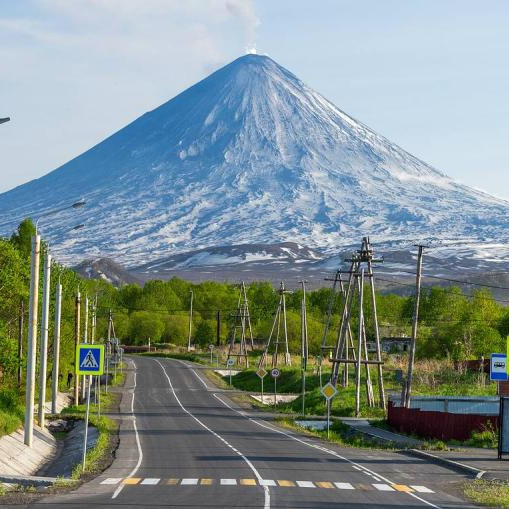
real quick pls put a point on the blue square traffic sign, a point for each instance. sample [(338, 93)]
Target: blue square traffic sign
[(89, 359), (498, 367)]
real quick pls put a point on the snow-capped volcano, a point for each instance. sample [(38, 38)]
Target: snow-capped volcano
[(248, 155)]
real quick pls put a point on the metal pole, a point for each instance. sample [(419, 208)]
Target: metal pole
[(32, 341), (262, 390), (304, 345), (20, 339), (218, 331), (411, 357), (107, 352), (275, 393), (43, 355), (87, 412), (328, 417), (190, 323), (56, 347), (77, 316), (359, 347)]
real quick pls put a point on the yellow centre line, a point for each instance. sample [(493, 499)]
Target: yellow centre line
[(402, 487), (206, 482), (173, 482)]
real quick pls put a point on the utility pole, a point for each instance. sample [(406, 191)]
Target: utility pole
[(85, 340), (411, 357), (304, 343), (20, 338), (359, 345), (44, 339), (190, 321), (77, 320), (32, 340), (218, 331), (56, 346)]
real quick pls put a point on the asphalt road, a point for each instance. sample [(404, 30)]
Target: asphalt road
[(185, 444)]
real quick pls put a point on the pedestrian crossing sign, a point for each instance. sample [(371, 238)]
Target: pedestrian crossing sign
[(90, 359)]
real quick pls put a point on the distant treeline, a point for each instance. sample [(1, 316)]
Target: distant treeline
[(451, 324)]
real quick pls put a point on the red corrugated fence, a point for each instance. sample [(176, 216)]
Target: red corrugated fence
[(440, 425)]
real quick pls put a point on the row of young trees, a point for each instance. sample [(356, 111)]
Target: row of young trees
[(451, 323)]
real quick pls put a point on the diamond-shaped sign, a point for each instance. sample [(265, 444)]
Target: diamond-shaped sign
[(329, 391), (261, 373)]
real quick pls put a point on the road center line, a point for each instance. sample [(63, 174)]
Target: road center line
[(140, 452), (320, 448), (203, 425)]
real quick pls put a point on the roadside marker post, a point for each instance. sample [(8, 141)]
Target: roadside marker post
[(328, 391), (89, 361), (229, 363), (275, 374), (211, 348), (262, 373)]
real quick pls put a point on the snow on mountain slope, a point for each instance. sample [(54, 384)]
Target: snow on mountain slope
[(248, 155)]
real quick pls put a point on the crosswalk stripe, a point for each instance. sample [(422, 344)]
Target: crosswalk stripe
[(344, 486), (228, 482), (305, 484), (248, 482), (131, 480), (189, 482), (402, 487), (383, 487), (112, 480), (150, 480), (325, 484), (421, 489), (285, 483)]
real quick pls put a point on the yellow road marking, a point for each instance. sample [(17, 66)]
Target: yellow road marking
[(363, 487), (248, 482), (324, 484), (402, 487), (173, 482), (131, 480), (286, 483), (206, 482)]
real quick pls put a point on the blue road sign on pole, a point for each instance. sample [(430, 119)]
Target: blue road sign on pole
[(498, 367), (89, 359)]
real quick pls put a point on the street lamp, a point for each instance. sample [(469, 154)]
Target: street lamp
[(32, 330)]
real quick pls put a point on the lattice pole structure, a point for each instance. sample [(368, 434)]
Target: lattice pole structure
[(238, 343), (278, 336), (361, 267), (246, 316)]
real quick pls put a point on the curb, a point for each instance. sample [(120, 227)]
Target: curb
[(31, 480), (455, 465)]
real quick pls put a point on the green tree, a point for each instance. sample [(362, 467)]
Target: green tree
[(144, 325), (204, 334)]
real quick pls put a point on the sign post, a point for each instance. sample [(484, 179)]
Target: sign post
[(275, 374), (261, 374), (211, 348), (229, 363), (328, 391), (89, 361)]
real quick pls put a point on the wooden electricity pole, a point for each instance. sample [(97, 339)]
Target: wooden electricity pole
[(411, 357), (77, 320)]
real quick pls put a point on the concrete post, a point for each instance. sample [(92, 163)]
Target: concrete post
[(56, 347), (32, 341)]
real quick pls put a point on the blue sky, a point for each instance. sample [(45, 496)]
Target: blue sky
[(430, 75)]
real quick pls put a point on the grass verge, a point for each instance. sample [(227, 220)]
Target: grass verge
[(487, 493), (12, 411), (340, 434)]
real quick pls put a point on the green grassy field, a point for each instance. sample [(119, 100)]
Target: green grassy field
[(12, 411)]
